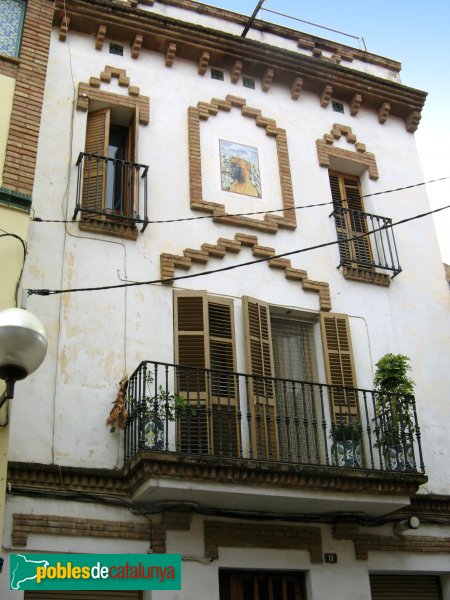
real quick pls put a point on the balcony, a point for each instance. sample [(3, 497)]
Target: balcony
[(202, 423), (366, 245), (112, 190)]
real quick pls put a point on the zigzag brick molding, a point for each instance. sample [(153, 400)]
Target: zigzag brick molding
[(271, 222), (171, 261)]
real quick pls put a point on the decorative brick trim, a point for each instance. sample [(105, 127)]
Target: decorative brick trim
[(152, 531), (296, 88), (100, 37), (24, 524), (136, 47), (412, 120), (356, 274), (203, 63), (171, 261), (255, 535), (363, 542), (91, 91), (170, 54), (325, 150), (203, 111), (383, 112), (21, 148), (107, 226), (8, 66), (325, 96), (209, 469), (191, 40), (64, 29)]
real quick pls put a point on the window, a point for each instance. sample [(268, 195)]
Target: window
[(350, 220), (279, 401), (12, 14), (110, 172), (261, 585)]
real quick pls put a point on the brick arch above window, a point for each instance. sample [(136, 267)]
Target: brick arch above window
[(91, 91), (333, 157)]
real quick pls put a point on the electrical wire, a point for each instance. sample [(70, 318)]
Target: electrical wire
[(47, 292), (261, 212), (24, 248)]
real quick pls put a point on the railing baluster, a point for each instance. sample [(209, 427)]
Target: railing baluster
[(295, 411)]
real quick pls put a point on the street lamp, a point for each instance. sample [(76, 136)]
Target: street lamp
[(23, 345)]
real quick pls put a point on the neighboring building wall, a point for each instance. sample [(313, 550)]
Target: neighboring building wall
[(22, 80)]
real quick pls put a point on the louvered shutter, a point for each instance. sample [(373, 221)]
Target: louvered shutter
[(350, 221), (131, 170), (405, 587), (339, 366), (94, 167), (223, 382), (259, 359), (204, 331)]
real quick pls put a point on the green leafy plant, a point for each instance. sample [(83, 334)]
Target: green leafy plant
[(394, 400), (348, 432), (161, 407)]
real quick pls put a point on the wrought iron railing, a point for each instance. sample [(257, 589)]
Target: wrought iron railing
[(111, 187), (366, 241), (192, 411)]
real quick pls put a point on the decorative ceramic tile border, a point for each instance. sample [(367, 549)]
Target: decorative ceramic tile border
[(171, 261), (203, 111)]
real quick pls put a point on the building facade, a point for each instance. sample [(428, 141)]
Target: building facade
[(24, 43), (219, 265)]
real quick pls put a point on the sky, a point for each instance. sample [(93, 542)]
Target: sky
[(414, 33)]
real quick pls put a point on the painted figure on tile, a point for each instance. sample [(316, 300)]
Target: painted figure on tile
[(240, 169)]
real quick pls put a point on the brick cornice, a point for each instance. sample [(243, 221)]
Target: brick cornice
[(159, 31), (148, 464)]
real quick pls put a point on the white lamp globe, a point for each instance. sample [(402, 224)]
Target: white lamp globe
[(23, 343)]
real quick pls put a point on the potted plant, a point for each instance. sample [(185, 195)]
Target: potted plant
[(346, 449), (161, 407), (394, 410)]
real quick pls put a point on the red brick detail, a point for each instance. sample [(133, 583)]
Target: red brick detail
[(219, 534), (21, 148), (270, 223), (363, 542), (169, 262), (326, 149), (153, 531)]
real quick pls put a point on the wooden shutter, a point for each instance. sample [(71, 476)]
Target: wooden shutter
[(259, 359), (405, 587), (204, 331), (337, 347), (131, 171), (94, 169), (351, 222)]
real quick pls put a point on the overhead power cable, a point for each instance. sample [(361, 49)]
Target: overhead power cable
[(260, 212), (46, 292)]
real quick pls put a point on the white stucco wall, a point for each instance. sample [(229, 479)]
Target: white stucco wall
[(96, 337)]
